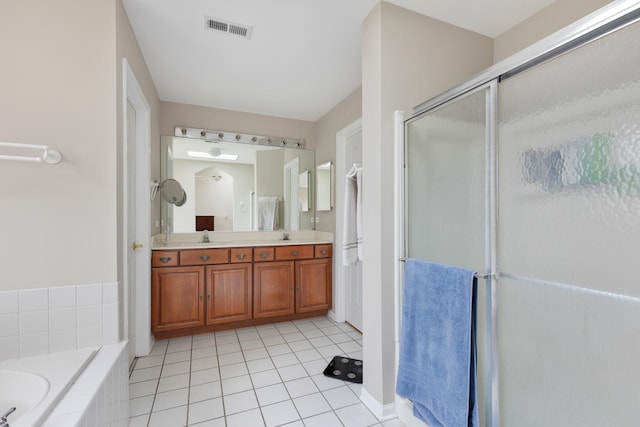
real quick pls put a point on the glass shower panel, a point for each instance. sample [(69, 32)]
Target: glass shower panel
[(445, 193), (569, 237), (445, 185)]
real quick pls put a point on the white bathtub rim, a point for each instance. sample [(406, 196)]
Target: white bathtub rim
[(61, 369)]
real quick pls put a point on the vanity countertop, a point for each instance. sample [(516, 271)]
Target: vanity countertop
[(221, 239)]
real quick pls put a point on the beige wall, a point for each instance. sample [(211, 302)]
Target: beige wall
[(174, 114), (552, 18), (127, 47), (58, 222), (346, 112), (407, 58), (63, 89)]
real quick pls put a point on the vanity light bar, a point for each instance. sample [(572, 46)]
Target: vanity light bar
[(242, 138)]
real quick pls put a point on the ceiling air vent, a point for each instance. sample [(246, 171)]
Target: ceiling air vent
[(233, 28)]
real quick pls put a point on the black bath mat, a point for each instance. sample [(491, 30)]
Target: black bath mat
[(343, 368)]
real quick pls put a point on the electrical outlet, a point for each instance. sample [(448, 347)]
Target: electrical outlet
[(317, 219)]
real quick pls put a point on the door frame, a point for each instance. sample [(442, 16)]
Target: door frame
[(338, 312), (132, 93)]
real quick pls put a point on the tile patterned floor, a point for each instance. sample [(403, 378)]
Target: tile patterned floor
[(269, 375)]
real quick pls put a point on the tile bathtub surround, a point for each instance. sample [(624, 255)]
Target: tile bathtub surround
[(100, 396), (268, 375), (45, 320)]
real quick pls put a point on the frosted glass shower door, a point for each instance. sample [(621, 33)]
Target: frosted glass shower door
[(445, 183), (445, 190), (569, 238)]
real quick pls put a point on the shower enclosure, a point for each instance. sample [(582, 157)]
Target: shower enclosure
[(532, 172)]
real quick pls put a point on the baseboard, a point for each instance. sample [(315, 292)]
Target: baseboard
[(382, 412)]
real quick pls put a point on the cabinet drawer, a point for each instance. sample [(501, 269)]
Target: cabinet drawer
[(204, 256), (164, 258), (241, 255), (264, 253), (294, 252), (323, 251)]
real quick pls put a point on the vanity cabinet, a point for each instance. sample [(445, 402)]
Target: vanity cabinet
[(177, 298), (296, 282), (200, 290), (228, 293)]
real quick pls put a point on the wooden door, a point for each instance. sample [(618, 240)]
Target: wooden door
[(273, 290), (313, 285), (228, 293), (177, 295)]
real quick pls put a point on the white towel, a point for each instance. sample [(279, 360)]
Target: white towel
[(267, 213), (352, 241)]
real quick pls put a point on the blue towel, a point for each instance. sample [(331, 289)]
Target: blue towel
[(437, 345)]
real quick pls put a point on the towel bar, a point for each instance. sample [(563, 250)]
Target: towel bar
[(476, 275)]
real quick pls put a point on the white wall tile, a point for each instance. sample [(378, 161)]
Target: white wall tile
[(34, 321), (63, 297), (34, 299), (89, 294), (9, 325), (64, 318), (8, 302), (110, 313), (33, 344), (9, 347), (89, 316), (110, 333), (88, 337), (62, 340), (110, 293)]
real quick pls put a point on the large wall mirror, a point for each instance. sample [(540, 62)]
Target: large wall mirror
[(236, 187)]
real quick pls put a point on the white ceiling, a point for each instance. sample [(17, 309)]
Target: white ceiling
[(303, 58)]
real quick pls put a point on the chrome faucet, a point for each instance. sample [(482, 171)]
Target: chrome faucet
[(205, 236), (285, 235), (3, 420)]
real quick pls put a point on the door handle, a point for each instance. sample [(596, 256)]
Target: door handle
[(136, 245)]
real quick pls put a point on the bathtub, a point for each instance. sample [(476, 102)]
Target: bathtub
[(34, 385)]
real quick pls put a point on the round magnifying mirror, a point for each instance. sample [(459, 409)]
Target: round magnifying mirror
[(172, 192)]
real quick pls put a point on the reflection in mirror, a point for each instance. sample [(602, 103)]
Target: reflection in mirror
[(304, 190), (324, 187), (224, 180)]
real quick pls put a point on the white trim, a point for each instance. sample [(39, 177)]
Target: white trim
[(131, 92), (339, 296), (382, 412)]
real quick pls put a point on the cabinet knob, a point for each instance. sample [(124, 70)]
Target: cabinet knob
[(263, 255), (204, 257), (241, 256), (165, 259), (200, 297), (295, 253), (324, 251)]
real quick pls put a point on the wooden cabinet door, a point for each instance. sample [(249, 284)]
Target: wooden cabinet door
[(313, 285), (273, 290), (177, 298), (228, 293)]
